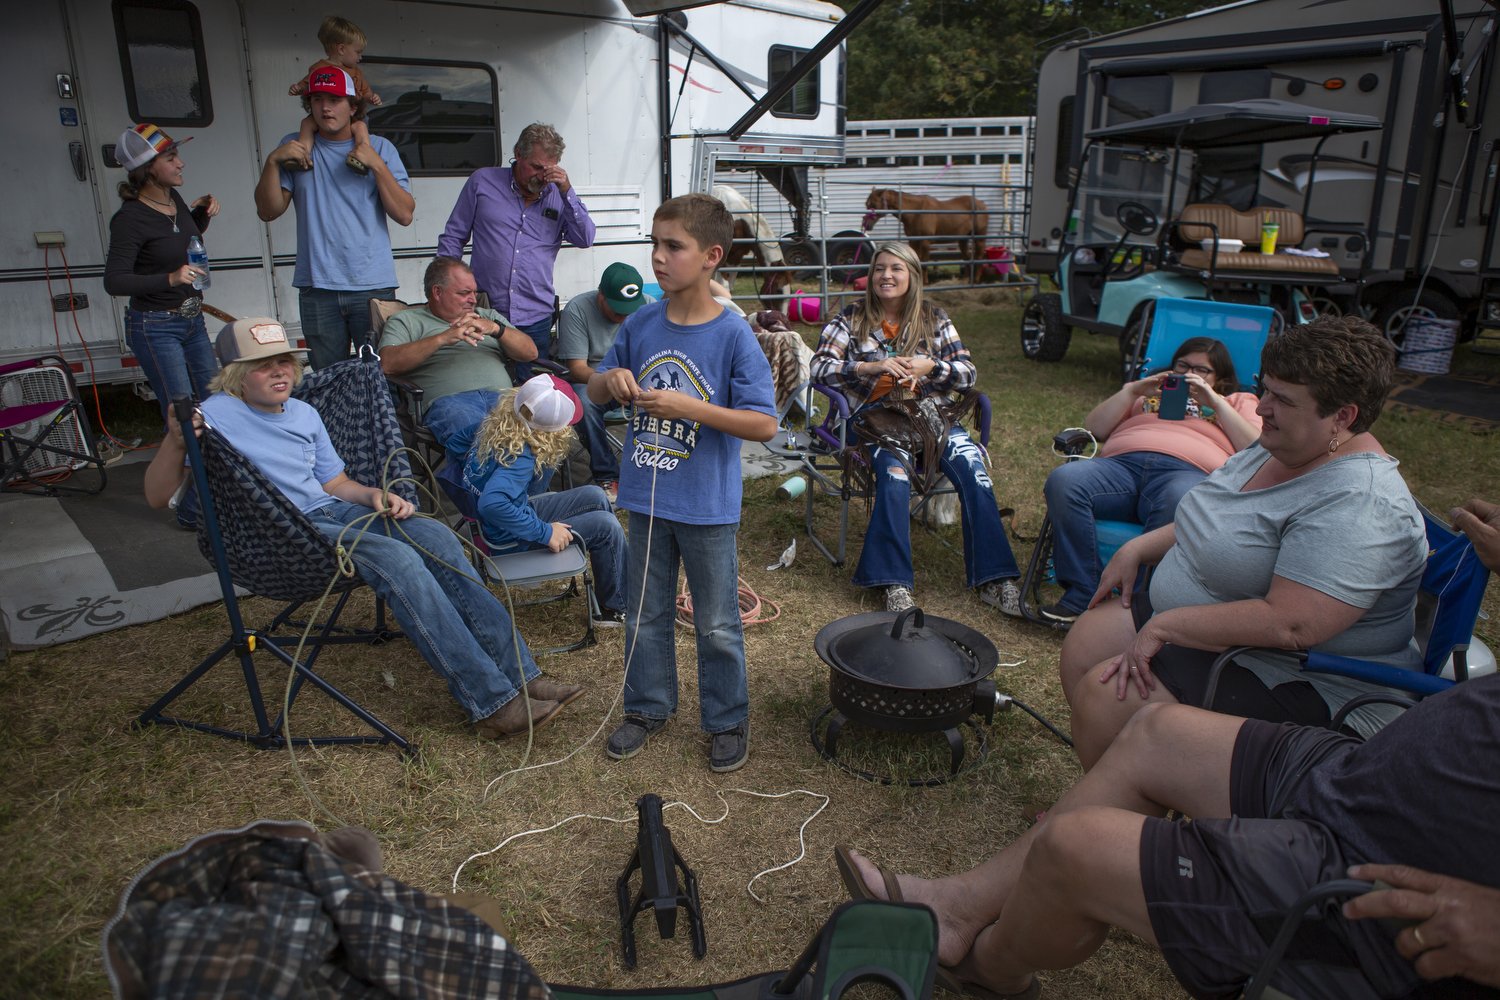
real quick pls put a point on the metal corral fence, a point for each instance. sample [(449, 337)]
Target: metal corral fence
[(983, 158)]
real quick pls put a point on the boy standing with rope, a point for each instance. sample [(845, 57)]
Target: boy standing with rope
[(696, 384)]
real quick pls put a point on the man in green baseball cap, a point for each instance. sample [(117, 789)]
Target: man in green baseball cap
[(585, 332)]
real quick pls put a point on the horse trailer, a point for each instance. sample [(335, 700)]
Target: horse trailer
[(648, 106), (1423, 186)]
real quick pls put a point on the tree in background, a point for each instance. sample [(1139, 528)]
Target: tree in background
[(966, 58)]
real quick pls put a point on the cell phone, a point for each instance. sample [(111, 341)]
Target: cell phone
[(1174, 394)]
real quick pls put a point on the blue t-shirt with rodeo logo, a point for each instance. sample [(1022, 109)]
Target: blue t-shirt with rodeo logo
[(696, 468)]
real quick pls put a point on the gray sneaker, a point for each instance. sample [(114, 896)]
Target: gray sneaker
[(899, 598), (628, 740), (1002, 594), (729, 751)]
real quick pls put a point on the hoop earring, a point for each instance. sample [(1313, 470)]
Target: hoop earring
[(1333, 444)]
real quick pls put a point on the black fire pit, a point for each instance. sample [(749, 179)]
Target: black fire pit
[(905, 673)]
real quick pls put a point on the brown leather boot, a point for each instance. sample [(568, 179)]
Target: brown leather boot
[(547, 689), (510, 720)]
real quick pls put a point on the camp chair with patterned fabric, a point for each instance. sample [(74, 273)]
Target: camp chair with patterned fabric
[(864, 941), (259, 540)]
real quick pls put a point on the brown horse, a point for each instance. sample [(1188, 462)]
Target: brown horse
[(962, 221)]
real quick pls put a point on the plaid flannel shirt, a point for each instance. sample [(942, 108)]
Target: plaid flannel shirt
[(838, 354), (269, 911)]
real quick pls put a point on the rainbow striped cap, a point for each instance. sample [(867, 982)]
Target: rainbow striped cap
[(143, 144)]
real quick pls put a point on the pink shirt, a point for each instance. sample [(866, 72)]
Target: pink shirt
[(1196, 439)]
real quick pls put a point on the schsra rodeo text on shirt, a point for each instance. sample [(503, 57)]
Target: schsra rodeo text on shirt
[(662, 443)]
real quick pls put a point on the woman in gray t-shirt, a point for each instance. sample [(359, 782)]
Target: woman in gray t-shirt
[(1308, 539)]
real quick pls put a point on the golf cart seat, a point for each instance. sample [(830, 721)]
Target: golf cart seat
[(1206, 221)]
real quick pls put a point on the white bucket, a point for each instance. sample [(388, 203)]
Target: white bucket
[(1428, 346)]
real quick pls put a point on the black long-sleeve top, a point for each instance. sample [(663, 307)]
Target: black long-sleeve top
[(143, 253)]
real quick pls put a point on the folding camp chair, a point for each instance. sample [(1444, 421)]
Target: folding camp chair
[(527, 568), (259, 540), (1448, 602), (835, 457), (1243, 329), (44, 431), (894, 944)]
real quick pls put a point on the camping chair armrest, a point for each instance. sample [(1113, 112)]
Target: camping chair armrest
[(1072, 441), (1211, 690), (1414, 681), (1374, 698), (406, 394), (548, 367), (838, 402), (1309, 902)]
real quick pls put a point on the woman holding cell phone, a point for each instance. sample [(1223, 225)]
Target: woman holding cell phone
[(1159, 437), (148, 261)]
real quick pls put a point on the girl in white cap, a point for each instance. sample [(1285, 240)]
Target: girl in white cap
[(524, 438)]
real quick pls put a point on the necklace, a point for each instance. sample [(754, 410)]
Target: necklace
[(164, 204)]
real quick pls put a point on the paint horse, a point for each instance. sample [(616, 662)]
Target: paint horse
[(750, 225), (926, 220)]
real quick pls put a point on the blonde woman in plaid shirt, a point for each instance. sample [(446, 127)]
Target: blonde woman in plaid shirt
[(895, 345)]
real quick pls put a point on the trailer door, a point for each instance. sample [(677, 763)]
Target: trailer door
[(52, 215), (179, 65)]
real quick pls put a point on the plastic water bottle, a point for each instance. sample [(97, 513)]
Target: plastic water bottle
[(198, 258)]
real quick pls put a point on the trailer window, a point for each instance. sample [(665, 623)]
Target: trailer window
[(802, 102), (1066, 161), (1222, 86), (163, 62), (440, 116), (1132, 98)]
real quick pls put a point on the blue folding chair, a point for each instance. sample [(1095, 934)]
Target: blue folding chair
[(1243, 329), (1448, 601)]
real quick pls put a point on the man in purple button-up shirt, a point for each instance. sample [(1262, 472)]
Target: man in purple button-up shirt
[(518, 217)]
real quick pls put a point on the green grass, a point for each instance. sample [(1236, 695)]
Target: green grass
[(86, 801)]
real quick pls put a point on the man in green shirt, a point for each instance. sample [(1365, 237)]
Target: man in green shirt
[(453, 350)]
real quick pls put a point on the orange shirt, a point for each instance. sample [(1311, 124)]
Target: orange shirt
[(1197, 439)]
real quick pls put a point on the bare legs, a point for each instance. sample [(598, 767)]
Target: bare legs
[(1099, 635), (1047, 900)]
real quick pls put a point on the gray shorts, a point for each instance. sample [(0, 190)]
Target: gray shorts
[(1217, 890)]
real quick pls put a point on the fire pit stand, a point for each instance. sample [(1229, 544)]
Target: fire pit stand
[(826, 743), (905, 673)]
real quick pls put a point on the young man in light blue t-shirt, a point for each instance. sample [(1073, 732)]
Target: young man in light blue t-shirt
[(697, 385), (343, 247)]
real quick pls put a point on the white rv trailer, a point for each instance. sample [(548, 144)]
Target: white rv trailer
[(1424, 186), (459, 81)]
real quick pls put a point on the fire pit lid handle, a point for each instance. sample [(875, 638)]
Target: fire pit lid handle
[(903, 617)]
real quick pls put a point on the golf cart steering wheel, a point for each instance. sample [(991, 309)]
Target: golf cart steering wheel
[(1135, 218)]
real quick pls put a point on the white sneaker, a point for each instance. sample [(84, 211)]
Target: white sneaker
[(899, 598), (1004, 595)]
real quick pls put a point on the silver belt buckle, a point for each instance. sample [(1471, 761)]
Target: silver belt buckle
[(190, 308)]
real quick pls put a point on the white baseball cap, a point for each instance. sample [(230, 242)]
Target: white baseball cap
[(548, 403)]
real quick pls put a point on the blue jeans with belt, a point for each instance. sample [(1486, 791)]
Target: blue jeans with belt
[(886, 557), (174, 352), (334, 321), (179, 360), (461, 630)]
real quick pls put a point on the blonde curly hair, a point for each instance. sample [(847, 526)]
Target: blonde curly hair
[(505, 433)]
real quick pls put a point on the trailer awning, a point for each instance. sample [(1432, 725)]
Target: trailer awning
[(1236, 123)]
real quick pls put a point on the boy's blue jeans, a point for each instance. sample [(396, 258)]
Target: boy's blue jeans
[(457, 625), (1137, 486), (886, 557), (707, 552)]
